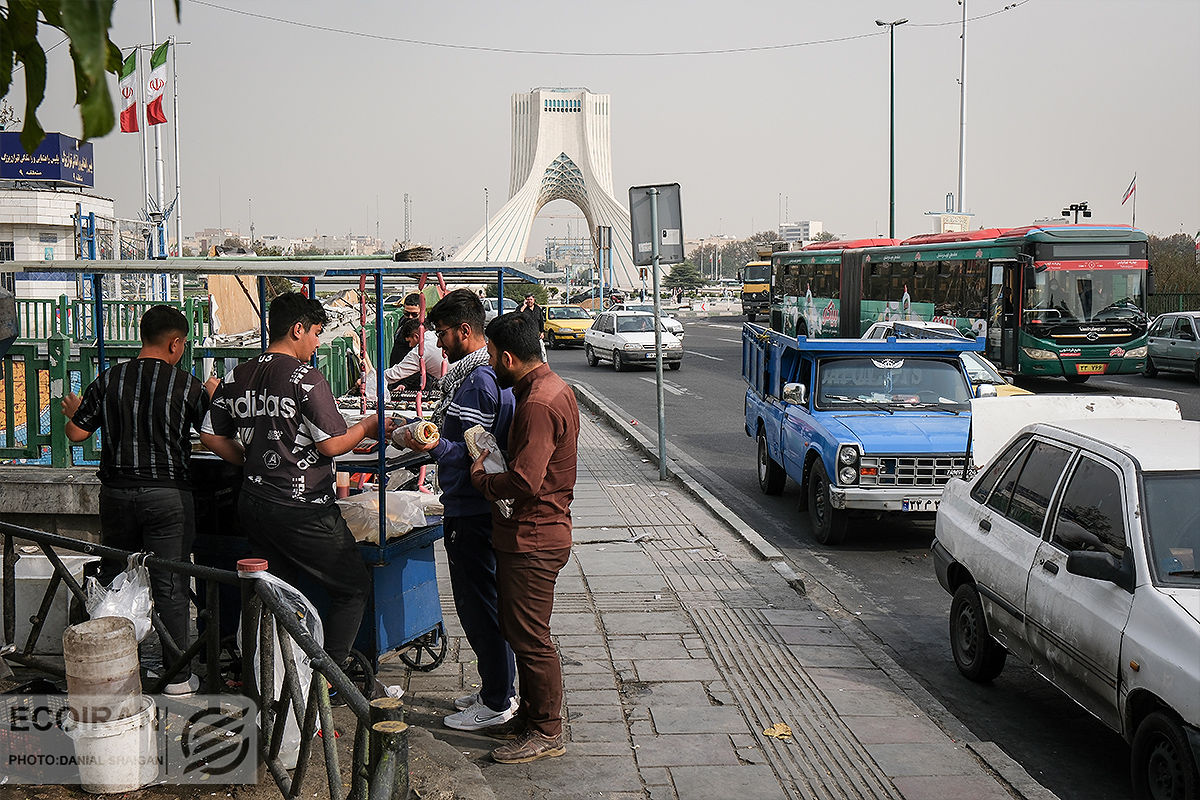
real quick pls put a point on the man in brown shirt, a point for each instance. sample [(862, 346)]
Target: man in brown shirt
[(532, 545)]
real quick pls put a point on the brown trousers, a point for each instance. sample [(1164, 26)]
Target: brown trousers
[(526, 588)]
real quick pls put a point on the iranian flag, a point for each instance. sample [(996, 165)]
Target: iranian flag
[(129, 120), (156, 84)]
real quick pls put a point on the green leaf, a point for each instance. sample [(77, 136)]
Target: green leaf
[(87, 23)]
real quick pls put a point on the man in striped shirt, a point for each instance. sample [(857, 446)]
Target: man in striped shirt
[(147, 408)]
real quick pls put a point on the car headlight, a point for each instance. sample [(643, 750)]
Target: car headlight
[(847, 475), (847, 459), (1040, 355), (632, 346), (674, 346), (1137, 352), (847, 456)]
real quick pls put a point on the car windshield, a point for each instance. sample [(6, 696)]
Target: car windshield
[(569, 312), (887, 381), (638, 324), (980, 370), (1173, 526)]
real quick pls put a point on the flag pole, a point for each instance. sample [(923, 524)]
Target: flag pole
[(159, 228), (1134, 223), (141, 116), (178, 190)]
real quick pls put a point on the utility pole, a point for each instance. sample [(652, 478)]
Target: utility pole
[(891, 26), (962, 114), (406, 230)]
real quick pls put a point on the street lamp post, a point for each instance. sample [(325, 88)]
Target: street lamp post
[(891, 26), (1077, 209)]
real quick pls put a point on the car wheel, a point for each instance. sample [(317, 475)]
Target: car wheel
[(1161, 760), (1150, 371), (617, 365), (590, 355), (1077, 378), (750, 317), (1196, 372), (828, 523), (978, 656), (675, 364), (771, 476)]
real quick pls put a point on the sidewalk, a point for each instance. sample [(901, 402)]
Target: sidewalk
[(681, 645)]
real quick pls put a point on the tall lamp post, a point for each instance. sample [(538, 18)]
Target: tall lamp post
[(891, 26), (1077, 209)]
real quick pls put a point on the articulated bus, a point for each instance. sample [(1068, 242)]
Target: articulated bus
[(1063, 301)]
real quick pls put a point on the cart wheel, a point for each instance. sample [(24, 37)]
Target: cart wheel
[(361, 673), (427, 651)]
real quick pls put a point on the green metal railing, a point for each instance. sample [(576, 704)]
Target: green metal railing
[(1179, 301), (60, 364), (41, 319)]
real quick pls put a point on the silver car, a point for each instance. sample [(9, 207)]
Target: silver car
[(1077, 550), (1175, 344)]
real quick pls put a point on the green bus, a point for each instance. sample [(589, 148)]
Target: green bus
[(1063, 300)]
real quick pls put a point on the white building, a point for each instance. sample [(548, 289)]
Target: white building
[(801, 230), (561, 150), (39, 225)]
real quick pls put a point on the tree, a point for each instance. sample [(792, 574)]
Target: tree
[(86, 23), (1173, 259), (825, 236), (684, 276), (233, 243), (516, 290)]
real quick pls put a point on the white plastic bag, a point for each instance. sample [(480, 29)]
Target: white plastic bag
[(127, 596), (478, 439), (405, 511), (289, 752)]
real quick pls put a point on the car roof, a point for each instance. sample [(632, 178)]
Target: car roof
[(1159, 445), (623, 313)]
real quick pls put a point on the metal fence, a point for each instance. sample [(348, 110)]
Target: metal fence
[(40, 319), (1180, 301), (268, 623)]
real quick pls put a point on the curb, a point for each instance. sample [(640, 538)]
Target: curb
[(1010, 773), (765, 550)]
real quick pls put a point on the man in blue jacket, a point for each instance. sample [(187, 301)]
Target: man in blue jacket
[(471, 396)]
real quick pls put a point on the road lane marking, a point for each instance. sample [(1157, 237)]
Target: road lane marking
[(668, 386), (726, 327), (733, 341), (703, 355)]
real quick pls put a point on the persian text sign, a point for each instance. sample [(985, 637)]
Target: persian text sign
[(58, 159)]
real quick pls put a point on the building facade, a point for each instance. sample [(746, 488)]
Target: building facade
[(38, 224), (801, 230)]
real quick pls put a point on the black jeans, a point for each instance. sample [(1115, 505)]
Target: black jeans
[(159, 520), (312, 543), (468, 542)]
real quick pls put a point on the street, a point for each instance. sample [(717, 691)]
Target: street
[(883, 573)]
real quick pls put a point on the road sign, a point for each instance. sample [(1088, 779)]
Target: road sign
[(670, 225)]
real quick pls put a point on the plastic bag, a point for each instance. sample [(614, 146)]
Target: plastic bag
[(127, 596), (405, 511), (289, 752)]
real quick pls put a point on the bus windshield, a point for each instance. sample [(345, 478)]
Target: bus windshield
[(757, 273), (1102, 295)]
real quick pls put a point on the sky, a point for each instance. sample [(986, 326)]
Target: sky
[(322, 131)]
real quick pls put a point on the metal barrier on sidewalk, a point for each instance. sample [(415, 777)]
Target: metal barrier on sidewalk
[(380, 754)]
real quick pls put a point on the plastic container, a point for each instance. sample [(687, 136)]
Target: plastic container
[(101, 660), (117, 756), (32, 575)]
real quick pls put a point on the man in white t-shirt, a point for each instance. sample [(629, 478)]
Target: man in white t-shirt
[(408, 372)]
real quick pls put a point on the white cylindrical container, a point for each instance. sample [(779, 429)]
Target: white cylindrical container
[(117, 756)]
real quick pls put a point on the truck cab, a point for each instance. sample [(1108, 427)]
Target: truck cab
[(863, 426)]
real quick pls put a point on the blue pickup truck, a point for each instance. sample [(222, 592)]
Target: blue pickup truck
[(871, 426)]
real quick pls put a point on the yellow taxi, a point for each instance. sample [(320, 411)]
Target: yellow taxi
[(565, 325)]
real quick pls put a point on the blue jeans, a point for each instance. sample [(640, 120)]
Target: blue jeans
[(160, 520), (468, 542)]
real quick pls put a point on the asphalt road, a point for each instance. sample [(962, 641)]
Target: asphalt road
[(884, 572)]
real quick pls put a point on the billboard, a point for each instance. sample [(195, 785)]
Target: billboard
[(58, 159)]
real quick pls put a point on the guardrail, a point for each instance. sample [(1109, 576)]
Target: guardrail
[(1180, 301), (380, 754), (74, 318)]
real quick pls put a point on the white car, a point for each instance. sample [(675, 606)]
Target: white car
[(1077, 550), (669, 322), (913, 329), (491, 307), (627, 338)]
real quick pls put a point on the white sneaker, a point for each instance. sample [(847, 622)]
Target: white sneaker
[(478, 716), (183, 688), (466, 701)]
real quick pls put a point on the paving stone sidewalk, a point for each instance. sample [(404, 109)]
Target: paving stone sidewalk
[(681, 648)]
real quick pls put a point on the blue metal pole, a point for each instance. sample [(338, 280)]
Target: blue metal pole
[(500, 292)]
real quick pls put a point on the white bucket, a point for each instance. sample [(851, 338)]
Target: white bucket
[(120, 756)]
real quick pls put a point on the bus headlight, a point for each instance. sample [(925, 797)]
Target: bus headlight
[(1040, 355), (1137, 352)]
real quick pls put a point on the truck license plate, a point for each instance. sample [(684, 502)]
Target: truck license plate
[(1090, 369), (919, 505)]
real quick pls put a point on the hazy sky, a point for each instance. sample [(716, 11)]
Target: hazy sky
[(1066, 100)]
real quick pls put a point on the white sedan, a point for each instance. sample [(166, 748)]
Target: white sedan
[(668, 320), (627, 339)]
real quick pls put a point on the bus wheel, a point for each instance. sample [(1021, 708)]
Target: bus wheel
[(1077, 378)]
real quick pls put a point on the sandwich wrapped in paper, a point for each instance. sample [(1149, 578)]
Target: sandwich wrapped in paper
[(423, 431), (479, 439)]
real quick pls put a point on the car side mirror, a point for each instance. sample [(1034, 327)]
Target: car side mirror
[(1102, 566), (985, 390), (795, 393)]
